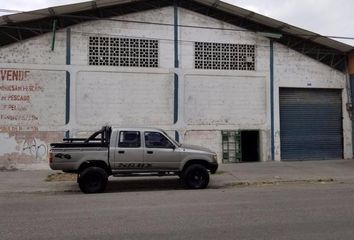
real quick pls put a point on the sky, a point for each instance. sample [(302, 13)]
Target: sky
[(326, 17)]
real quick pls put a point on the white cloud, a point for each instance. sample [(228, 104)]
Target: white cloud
[(25, 5), (326, 17)]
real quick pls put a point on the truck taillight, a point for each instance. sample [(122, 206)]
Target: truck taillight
[(50, 157)]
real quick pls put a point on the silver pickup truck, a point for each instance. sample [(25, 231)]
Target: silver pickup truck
[(131, 152)]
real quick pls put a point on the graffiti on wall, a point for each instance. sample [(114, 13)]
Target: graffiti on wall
[(26, 147), (35, 148), (30, 101)]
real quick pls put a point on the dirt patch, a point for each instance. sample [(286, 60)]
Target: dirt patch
[(279, 182), (61, 177), (9, 169)]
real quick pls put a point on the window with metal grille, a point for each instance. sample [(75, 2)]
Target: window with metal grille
[(231, 147), (124, 52), (240, 146), (224, 56)]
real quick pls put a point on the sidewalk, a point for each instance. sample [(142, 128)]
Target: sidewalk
[(32, 181), (277, 172)]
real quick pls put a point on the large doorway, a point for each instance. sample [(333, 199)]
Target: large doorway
[(250, 146), (240, 146), (311, 124)]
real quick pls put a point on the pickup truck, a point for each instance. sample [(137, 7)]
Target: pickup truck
[(131, 152)]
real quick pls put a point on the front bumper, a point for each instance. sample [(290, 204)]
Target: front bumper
[(213, 167)]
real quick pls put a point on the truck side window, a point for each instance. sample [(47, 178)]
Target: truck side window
[(129, 139), (156, 140)]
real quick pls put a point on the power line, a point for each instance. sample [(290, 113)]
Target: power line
[(181, 41)]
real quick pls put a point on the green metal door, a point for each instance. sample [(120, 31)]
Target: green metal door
[(231, 146)]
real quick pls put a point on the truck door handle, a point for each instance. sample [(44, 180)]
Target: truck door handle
[(150, 152), (121, 152)]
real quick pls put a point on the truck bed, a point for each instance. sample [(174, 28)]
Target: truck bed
[(98, 139), (78, 145)]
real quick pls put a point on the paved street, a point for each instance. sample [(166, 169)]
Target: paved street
[(287, 211), (228, 174)]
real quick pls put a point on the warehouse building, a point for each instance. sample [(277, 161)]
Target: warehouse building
[(247, 86)]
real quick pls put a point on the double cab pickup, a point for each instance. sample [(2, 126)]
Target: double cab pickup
[(131, 152)]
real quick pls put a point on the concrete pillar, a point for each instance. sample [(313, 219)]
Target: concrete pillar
[(351, 79), (351, 72)]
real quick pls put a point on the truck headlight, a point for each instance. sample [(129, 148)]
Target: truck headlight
[(215, 157)]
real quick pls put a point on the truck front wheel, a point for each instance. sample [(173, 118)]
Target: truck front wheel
[(195, 176), (93, 180)]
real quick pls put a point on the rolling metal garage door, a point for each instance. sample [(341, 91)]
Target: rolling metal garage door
[(310, 124)]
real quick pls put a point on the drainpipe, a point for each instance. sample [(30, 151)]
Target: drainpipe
[(176, 65), (67, 98), (53, 33), (68, 62), (271, 60), (271, 36)]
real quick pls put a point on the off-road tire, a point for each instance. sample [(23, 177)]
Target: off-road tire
[(93, 180), (195, 176)]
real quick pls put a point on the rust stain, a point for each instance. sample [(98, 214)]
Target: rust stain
[(351, 64)]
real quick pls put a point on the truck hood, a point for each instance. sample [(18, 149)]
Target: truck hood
[(196, 148)]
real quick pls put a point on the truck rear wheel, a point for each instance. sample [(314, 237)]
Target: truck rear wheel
[(93, 180), (195, 176)]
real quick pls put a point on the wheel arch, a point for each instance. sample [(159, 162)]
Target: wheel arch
[(95, 163), (195, 161)]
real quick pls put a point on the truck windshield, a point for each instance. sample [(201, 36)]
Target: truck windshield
[(171, 139)]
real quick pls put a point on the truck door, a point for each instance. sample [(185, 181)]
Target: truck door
[(129, 153), (159, 152)]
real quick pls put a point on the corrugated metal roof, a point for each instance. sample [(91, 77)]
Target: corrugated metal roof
[(59, 10), (273, 23), (282, 27)]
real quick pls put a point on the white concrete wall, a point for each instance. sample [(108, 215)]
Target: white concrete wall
[(124, 29), (32, 98), (209, 100), (295, 70), (225, 100), (37, 50), (212, 100), (233, 34), (124, 99), (208, 139), (32, 104)]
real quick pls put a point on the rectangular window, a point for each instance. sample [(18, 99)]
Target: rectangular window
[(129, 139), (123, 52), (224, 56), (157, 140)]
